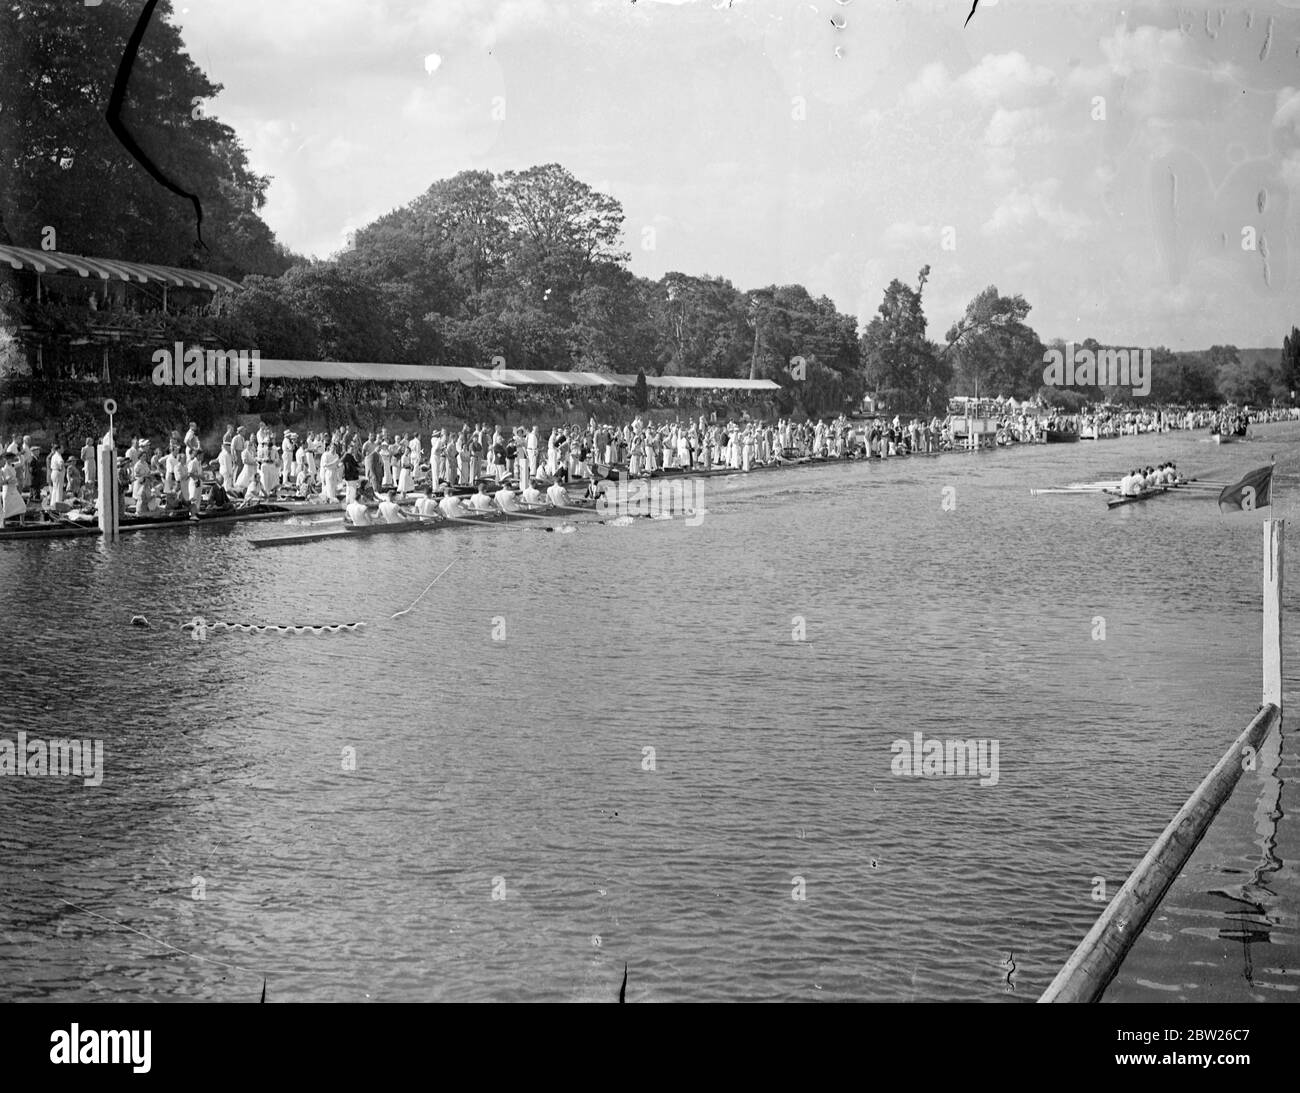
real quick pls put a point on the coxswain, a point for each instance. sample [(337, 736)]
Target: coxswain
[(481, 501)]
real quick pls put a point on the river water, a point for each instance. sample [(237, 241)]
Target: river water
[(459, 803)]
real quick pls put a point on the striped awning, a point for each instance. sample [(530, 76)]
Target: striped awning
[(110, 269), (388, 373), (711, 383), (525, 376), (504, 379)]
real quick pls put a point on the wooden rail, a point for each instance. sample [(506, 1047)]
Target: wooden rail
[(1092, 966)]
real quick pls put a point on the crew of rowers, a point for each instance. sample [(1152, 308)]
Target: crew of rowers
[(1140, 481), (451, 507)]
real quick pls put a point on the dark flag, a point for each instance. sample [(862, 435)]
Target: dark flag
[(1251, 493)]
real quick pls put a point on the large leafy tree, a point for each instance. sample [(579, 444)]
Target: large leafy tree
[(807, 345), (322, 312), (1290, 366), (995, 352), (562, 231), (702, 327), (449, 245), (64, 168), (899, 359)]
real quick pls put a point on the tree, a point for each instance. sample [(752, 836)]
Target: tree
[(898, 357), (996, 352), (64, 168), (561, 231), (1290, 366), (322, 312)]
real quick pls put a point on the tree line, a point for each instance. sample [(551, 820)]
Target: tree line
[(523, 266)]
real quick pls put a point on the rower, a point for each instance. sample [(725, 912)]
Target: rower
[(482, 500), (359, 515), (557, 494), (425, 505), (450, 506), (532, 496), (389, 513), (505, 499)]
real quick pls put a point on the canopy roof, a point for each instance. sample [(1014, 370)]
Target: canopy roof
[(503, 378), (109, 269), (403, 373)]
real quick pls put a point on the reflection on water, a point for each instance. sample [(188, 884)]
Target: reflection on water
[(418, 811)]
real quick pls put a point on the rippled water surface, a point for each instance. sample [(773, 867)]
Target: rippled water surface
[(488, 768)]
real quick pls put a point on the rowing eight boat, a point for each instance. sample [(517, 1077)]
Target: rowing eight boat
[(429, 523), (1145, 495)]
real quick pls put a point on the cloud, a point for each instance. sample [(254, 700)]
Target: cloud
[(908, 233), (1002, 79), (1023, 210)]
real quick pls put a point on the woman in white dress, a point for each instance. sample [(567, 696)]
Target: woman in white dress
[(634, 456), (405, 477), (270, 472), (329, 468), (248, 472), (58, 481), (11, 501)]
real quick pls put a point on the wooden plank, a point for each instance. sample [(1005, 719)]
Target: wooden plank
[(1093, 964)]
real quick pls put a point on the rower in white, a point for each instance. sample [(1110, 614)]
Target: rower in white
[(425, 505), (532, 496), (557, 494), (389, 512), (359, 515), (506, 499), (450, 506)]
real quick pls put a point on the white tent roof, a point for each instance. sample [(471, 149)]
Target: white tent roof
[(503, 379)]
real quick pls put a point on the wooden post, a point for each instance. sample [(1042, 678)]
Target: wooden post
[(1094, 963), (109, 498), (1274, 535)]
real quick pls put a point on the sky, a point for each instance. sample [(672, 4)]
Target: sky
[(1130, 169)]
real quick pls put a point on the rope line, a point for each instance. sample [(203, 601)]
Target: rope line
[(426, 589), (158, 941), (199, 626)]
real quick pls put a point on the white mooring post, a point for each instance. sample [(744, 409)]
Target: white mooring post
[(1274, 537), (109, 499)]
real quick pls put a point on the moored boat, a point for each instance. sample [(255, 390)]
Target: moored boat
[(1061, 436)]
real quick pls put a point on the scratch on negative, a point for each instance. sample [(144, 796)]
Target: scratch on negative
[(123, 134)]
